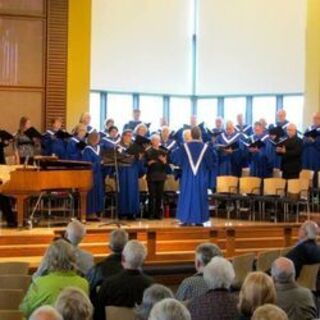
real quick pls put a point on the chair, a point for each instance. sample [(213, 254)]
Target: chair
[(226, 187), (21, 268), (21, 282), (242, 265), (111, 193), (307, 175), (143, 191), (10, 299), (265, 259), (171, 188), (273, 189), (11, 315), (120, 313), (308, 276)]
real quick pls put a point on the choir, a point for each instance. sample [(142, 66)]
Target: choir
[(194, 154)]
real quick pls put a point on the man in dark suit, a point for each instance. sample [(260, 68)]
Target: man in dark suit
[(110, 265), (291, 153), (307, 251), (126, 288)]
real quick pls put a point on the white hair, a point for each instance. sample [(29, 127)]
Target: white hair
[(134, 254), (283, 270), (311, 230), (206, 251), (218, 273), (118, 239), (75, 232), (169, 309), (48, 311), (73, 304), (139, 126), (155, 136)]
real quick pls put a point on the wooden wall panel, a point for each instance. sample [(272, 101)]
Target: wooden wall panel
[(56, 60)]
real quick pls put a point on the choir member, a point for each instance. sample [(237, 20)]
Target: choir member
[(291, 153), (241, 127), (91, 153), (311, 145), (141, 130), (264, 124), (196, 160), (5, 139), (218, 129), (132, 124), (77, 143), (52, 143), (111, 140), (107, 125), (129, 206), (229, 155), (186, 135), (85, 119), (24, 145), (156, 158), (166, 140), (282, 123), (261, 161)]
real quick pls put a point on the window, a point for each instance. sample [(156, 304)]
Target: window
[(294, 108), (151, 110), (207, 111), (119, 108), (95, 110), (180, 112), (234, 106), (264, 107)]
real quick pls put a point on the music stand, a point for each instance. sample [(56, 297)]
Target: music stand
[(116, 159)]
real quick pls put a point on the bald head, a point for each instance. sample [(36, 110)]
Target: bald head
[(291, 130), (283, 270), (281, 115)]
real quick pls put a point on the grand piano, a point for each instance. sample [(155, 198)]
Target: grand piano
[(21, 182)]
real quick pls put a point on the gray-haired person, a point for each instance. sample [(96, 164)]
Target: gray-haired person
[(169, 309), (46, 313), (195, 285), (296, 301), (151, 296)]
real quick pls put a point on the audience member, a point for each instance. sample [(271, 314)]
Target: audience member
[(151, 296), (218, 303), (169, 309), (269, 312), (75, 233), (73, 304), (295, 300), (126, 288), (257, 289), (195, 285), (46, 313), (61, 261), (307, 251), (110, 265)]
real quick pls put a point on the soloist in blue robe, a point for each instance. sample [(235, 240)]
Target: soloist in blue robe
[(95, 199), (229, 164), (196, 160), (53, 145), (128, 199), (261, 162), (311, 152), (73, 151)]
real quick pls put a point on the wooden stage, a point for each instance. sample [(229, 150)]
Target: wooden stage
[(167, 242)]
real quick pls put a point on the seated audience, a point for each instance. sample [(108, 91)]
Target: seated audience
[(126, 288), (269, 312), (257, 290), (218, 303), (46, 313), (73, 304), (151, 296), (169, 309), (75, 233), (110, 265), (195, 285), (295, 300), (307, 251), (61, 261)]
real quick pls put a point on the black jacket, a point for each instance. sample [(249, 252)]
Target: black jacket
[(306, 252), (291, 163), (124, 289), (156, 171)]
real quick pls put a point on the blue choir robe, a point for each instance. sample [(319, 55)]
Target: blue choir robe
[(311, 152), (73, 151), (261, 162), (245, 130), (283, 125), (53, 145), (128, 195), (95, 199), (170, 144), (90, 129), (131, 125), (196, 160), (229, 164)]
